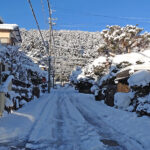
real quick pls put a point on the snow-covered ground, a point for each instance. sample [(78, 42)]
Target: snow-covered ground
[(68, 120)]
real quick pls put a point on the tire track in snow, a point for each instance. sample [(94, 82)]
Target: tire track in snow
[(103, 129), (17, 143), (38, 126), (84, 135), (54, 138)]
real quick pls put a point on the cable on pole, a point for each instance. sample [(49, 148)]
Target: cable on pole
[(29, 1), (44, 12)]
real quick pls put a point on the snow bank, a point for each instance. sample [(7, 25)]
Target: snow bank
[(19, 123), (122, 100), (74, 74)]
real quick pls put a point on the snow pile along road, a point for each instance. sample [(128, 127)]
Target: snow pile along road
[(67, 120)]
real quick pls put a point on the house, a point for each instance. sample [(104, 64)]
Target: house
[(124, 74), (9, 34)]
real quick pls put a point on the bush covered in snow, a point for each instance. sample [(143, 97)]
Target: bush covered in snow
[(140, 86), (26, 75), (104, 84)]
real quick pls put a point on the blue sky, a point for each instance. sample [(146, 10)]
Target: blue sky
[(86, 15)]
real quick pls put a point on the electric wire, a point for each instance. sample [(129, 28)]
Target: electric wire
[(44, 13), (36, 23), (101, 15)]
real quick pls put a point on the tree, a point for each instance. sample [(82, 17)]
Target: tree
[(123, 39)]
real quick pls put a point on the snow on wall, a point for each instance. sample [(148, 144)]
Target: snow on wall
[(5, 85)]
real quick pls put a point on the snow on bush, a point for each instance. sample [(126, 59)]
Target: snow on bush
[(124, 39), (101, 71), (138, 82), (139, 78), (23, 102), (95, 89), (74, 74), (143, 105), (145, 108), (9, 103), (21, 71), (92, 68)]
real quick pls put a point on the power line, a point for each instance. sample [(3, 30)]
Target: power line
[(77, 25), (49, 57), (103, 15), (44, 13), (36, 23)]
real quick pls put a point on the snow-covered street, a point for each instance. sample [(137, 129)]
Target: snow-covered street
[(68, 120)]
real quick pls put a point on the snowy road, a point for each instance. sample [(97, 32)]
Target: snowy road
[(64, 120)]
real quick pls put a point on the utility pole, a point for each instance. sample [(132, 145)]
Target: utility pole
[(0, 73), (50, 40), (50, 48)]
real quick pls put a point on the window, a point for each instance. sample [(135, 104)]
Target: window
[(4, 40)]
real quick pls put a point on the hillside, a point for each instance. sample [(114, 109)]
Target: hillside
[(72, 48)]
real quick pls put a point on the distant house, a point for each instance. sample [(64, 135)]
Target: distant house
[(10, 34)]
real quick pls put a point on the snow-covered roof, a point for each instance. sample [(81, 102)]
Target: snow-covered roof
[(139, 78), (8, 26), (126, 72), (132, 57), (14, 28)]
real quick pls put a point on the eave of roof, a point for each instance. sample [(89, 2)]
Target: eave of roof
[(126, 72), (8, 26)]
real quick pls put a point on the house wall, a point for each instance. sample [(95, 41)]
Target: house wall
[(5, 37), (123, 88)]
